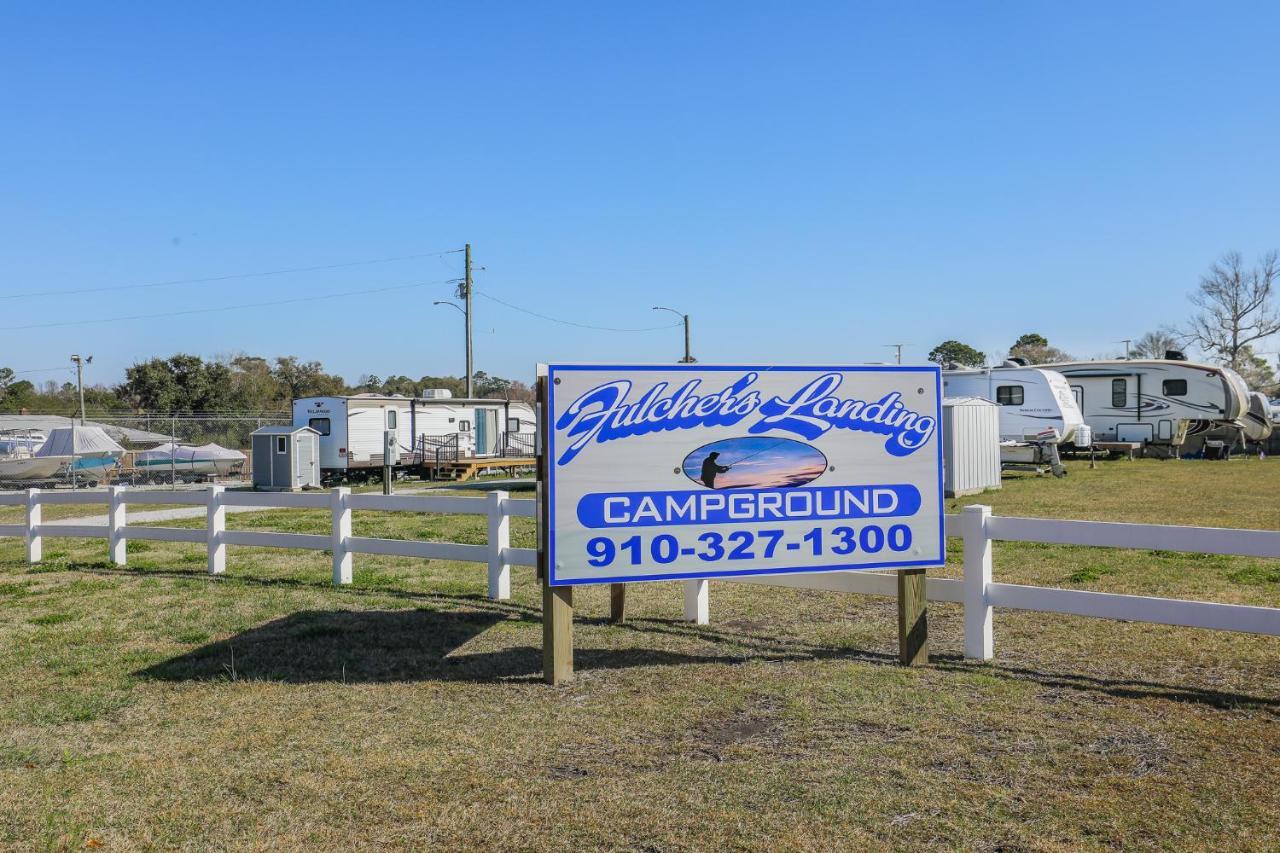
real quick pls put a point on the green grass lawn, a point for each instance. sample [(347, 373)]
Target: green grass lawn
[(153, 706)]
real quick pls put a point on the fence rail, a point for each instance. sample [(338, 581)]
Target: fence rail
[(496, 553), (976, 591), (980, 594)]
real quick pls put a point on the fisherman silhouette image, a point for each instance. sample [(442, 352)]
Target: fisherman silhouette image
[(710, 468)]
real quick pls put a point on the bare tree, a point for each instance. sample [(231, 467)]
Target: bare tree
[(1155, 344), (1236, 307)]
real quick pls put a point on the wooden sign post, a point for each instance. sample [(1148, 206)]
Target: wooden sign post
[(557, 601), (913, 618)]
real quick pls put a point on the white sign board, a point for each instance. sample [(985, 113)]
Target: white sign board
[(697, 471)]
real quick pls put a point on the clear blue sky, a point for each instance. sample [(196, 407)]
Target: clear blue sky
[(809, 181)]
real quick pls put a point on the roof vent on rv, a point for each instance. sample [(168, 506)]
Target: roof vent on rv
[(1015, 361), (436, 393), (1174, 355)]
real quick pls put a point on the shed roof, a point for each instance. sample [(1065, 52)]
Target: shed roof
[(967, 401), (282, 429)]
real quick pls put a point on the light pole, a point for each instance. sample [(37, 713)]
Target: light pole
[(80, 363), (467, 317), (898, 347), (688, 357), (1126, 342)]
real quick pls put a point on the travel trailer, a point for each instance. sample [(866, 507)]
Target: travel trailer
[(1154, 401), (352, 428), (1032, 400)]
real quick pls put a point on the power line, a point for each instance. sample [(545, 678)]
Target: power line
[(570, 322), (211, 279), (190, 311), (43, 370)]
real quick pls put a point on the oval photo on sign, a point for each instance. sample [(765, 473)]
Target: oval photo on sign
[(754, 462)]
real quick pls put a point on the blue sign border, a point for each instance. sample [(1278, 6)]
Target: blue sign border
[(550, 468)]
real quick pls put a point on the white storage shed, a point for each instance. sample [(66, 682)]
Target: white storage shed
[(970, 445)]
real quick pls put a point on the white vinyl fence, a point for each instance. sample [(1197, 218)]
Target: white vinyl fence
[(977, 592), (980, 594), (497, 552)]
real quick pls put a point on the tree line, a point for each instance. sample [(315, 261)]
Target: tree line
[(185, 384), (1235, 310)]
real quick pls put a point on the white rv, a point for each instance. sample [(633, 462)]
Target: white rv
[(1258, 424), (1154, 401), (352, 428), (1032, 400)]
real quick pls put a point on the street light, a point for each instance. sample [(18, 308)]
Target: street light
[(688, 357), (80, 363), (467, 319), (898, 347)]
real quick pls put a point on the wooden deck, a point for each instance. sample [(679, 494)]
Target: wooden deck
[(469, 467)]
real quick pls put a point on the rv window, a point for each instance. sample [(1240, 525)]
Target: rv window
[(1119, 393), (391, 418), (464, 426), (320, 425), (1174, 387), (282, 444), (513, 424), (1009, 395)]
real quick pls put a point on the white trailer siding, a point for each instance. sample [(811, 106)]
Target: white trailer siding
[(367, 421)]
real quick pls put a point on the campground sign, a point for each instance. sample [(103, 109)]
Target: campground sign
[(696, 471)]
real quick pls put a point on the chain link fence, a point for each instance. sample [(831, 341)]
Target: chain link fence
[(155, 450)]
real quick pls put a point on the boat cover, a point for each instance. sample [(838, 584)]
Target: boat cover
[(78, 441), (186, 453), (217, 451)]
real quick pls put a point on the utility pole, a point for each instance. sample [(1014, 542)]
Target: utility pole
[(466, 287), (898, 347), (80, 363), (684, 318), (1126, 342)]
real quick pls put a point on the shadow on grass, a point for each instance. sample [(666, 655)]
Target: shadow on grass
[(381, 646), (417, 645)]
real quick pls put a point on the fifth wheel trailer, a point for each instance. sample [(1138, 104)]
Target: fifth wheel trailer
[(1155, 401)]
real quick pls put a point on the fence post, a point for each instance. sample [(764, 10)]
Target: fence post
[(499, 543), (697, 602), (340, 508), (217, 526), (979, 643), (116, 542), (34, 514)]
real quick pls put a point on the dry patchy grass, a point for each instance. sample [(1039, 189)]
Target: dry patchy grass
[(153, 706)]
